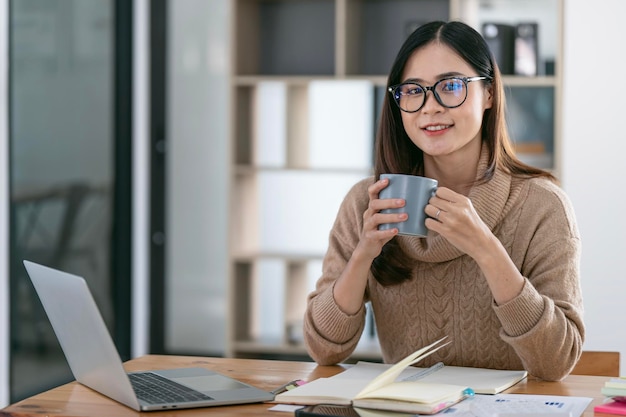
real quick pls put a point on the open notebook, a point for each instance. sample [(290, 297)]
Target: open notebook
[(383, 391), (95, 362), (402, 387)]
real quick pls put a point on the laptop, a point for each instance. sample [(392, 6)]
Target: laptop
[(95, 362)]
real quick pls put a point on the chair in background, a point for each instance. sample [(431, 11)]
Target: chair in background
[(61, 227), (598, 363)]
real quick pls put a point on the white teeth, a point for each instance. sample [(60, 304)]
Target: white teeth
[(435, 128)]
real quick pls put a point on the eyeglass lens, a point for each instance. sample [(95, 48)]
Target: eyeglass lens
[(449, 92)]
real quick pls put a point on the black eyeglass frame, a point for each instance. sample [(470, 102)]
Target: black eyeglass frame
[(466, 80)]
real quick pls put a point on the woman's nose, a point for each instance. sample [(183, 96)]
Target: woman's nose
[(431, 104)]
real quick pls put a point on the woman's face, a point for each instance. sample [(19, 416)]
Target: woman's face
[(439, 131)]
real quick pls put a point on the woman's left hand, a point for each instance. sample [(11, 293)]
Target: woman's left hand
[(453, 216)]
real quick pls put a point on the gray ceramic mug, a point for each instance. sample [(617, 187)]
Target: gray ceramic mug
[(416, 191)]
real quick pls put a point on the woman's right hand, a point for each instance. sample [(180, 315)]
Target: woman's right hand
[(349, 289), (372, 240)]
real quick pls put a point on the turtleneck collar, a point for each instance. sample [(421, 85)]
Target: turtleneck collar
[(489, 200)]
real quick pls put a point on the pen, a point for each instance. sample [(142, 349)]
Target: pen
[(424, 372), (288, 386)]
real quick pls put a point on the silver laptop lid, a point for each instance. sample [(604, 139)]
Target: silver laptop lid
[(73, 313)]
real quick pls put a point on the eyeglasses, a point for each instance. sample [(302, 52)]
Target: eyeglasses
[(450, 92)]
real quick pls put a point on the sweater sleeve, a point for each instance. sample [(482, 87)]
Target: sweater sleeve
[(544, 323), (330, 335)]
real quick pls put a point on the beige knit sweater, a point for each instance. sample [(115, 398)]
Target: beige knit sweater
[(540, 330)]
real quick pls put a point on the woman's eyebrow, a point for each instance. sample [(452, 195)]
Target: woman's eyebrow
[(439, 77)]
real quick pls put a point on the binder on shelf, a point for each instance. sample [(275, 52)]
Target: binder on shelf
[(289, 216), (270, 124), (302, 279), (500, 38), (341, 124), (526, 49), (268, 295)]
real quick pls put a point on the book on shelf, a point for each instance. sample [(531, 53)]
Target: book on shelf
[(270, 124), (501, 41), (526, 49), (340, 125), (402, 387)]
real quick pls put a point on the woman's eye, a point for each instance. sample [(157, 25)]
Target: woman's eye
[(452, 86), (413, 90)]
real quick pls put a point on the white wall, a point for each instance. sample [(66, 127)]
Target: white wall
[(594, 145)]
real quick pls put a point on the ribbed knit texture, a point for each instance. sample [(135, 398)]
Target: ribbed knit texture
[(540, 330)]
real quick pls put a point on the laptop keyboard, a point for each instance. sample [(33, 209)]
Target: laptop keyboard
[(155, 389)]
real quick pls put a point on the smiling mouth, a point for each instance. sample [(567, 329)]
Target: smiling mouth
[(436, 128)]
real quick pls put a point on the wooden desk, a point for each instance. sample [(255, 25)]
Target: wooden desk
[(74, 399)]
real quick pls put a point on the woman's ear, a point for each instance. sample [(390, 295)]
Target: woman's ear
[(488, 97)]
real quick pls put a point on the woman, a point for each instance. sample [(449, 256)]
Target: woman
[(498, 272)]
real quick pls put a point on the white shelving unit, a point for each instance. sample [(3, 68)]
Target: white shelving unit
[(308, 81)]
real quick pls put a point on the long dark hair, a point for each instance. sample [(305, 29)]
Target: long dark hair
[(396, 153)]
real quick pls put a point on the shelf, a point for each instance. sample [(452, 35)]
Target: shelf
[(252, 349), (287, 257), (285, 37), (380, 80), (274, 347), (289, 80), (246, 170), (273, 210), (308, 82), (375, 29), (270, 307), (295, 125), (546, 13), (531, 115), (523, 81)]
